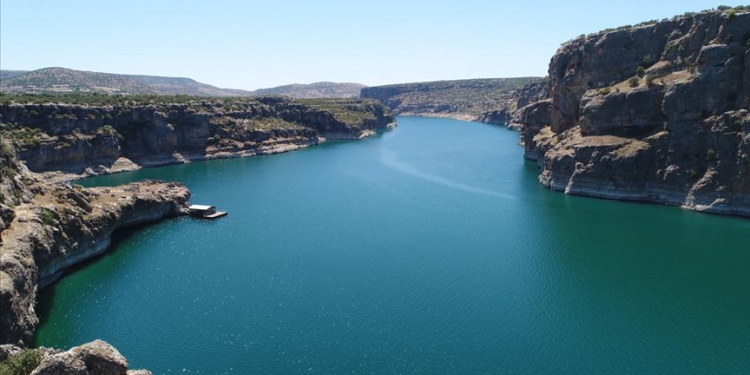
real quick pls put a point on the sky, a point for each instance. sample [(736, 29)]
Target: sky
[(256, 44)]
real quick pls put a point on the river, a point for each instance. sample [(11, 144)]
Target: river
[(429, 249)]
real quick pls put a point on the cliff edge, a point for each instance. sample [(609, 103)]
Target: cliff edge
[(656, 112)]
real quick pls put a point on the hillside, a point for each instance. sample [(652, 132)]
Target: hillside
[(468, 99), (314, 90), (62, 80), (5, 74)]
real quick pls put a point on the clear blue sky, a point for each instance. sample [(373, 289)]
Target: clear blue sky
[(253, 44)]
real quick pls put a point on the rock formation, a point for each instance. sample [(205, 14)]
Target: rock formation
[(656, 112), (99, 137), (94, 358), (469, 99), (511, 114)]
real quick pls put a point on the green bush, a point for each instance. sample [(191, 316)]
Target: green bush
[(747, 44), (647, 61), (732, 14), (22, 363), (47, 216), (634, 82), (605, 91), (9, 172), (640, 72), (737, 126), (711, 154), (650, 81)]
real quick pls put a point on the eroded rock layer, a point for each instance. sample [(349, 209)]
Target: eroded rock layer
[(107, 134)]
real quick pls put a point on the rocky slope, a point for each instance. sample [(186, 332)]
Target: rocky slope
[(118, 133), (657, 112), (469, 99), (94, 358)]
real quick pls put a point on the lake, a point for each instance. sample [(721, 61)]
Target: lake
[(429, 249)]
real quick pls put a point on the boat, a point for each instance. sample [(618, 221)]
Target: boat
[(205, 212)]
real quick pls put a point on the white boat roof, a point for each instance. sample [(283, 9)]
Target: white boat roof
[(200, 207)]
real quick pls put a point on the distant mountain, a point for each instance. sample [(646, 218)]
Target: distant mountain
[(314, 90), (63, 80), (468, 99), (68, 80), (11, 73)]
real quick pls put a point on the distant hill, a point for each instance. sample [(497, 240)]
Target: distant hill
[(314, 90), (69, 80), (11, 73), (467, 99), (62, 80)]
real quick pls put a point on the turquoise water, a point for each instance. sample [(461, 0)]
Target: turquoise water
[(429, 249)]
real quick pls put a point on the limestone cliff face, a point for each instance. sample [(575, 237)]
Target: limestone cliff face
[(675, 131), (54, 226), (95, 139)]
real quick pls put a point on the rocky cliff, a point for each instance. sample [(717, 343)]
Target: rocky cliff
[(101, 134), (468, 99), (657, 112), (512, 113), (48, 227)]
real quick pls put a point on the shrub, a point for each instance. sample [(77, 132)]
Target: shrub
[(9, 172), (737, 126), (634, 82), (22, 363), (647, 61), (732, 14), (747, 44), (650, 81), (47, 216), (605, 91), (711, 154), (640, 72)]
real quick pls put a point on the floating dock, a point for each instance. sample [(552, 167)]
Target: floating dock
[(205, 212)]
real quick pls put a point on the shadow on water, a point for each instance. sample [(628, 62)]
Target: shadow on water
[(46, 297)]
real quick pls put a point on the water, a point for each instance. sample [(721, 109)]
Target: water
[(430, 249)]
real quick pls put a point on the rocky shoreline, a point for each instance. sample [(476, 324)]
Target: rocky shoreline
[(49, 227)]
